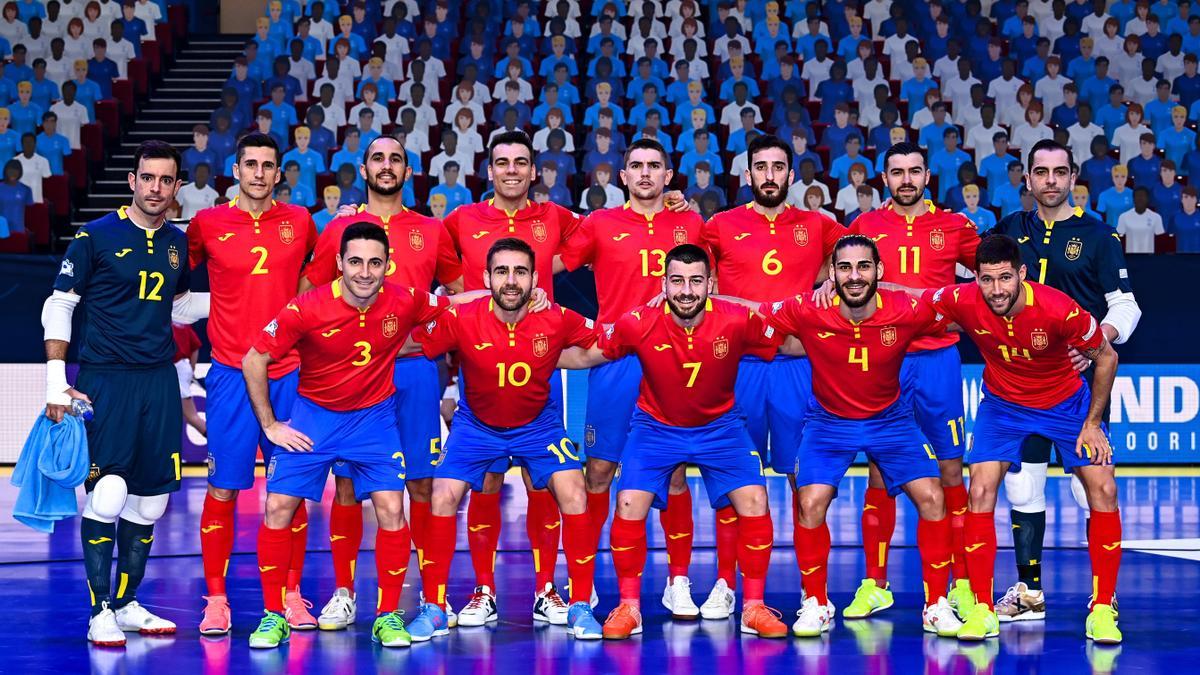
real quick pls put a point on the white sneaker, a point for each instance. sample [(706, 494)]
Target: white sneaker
[(940, 618), (677, 597), (595, 599), (339, 612), (135, 618), (103, 630), (720, 602), (451, 616), (813, 619), (549, 607), (480, 609)]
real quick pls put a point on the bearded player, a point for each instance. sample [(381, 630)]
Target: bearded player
[(765, 250), (255, 249)]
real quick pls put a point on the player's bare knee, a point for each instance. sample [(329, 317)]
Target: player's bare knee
[(444, 499), (678, 483), (599, 474), (981, 496), (750, 502), (279, 510), (221, 494), (812, 509), (951, 471), (420, 490), (389, 509), (1101, 492), (875, 477), (492, 482), (344, 491)]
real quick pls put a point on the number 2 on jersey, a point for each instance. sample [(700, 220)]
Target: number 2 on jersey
[(260, 267)]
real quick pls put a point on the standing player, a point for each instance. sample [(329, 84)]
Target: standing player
[(1080, 255), (1024, 331), (255, 249), (627, 248), (857, 347), (765, 250), (420, 252), (919, 246), (133, 269), (686, 413), (508, 358), (347, 334)]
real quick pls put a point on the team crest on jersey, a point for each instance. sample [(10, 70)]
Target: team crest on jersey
[(1039, 340), (589, 435), (173, 257), (287, 234), (680, 236), (541, 346), (1074, 248), (800, 235), (93, 474), (391, 325), (720, 348), (271, 328), (271, 467), (937, 240), (67, 268), (887, 335), (539, 230), (416, 240), (212, 464)]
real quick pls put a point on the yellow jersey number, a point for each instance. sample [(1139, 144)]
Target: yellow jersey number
[(654, 262), (145, 290), (516, 375)]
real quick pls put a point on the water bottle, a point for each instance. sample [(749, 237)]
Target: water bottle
[(81, 409)]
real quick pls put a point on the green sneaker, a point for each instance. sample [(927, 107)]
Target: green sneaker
[(272, 630), (981, 623), (961, 597), (1102, 625), (389, 631), (868, 599)]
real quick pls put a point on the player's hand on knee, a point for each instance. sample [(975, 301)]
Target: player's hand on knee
[(1093, 439), (824, 294), (288, 438), (1078, 361), (538, 301)]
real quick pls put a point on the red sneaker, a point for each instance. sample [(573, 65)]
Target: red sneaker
[(216, 616), (622, 622), (763, 621), (295, 608)]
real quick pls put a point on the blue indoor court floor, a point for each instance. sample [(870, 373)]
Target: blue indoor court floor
[(43, 593)]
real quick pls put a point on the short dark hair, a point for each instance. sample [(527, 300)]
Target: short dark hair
[(767, 142), (647, 144), (364, 230), (257, 139), (392, 137), (903, 148), (1050, 145), (687, 254), (515, 137), (511, 244), (996, 249), (156, 150), (855, 240)]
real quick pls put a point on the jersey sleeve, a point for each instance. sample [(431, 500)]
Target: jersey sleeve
[(452, 228), (968, 242), (761, 334), (784, 315), (438, 336), (580, 248), (311, 236), (928, 320), (944, 301), (322, 268), (76, 268), (449, 266), (1111, 270), (1081, 329), (622, 337), (184, 283), (831, 231), (578, 330), (710, 238), (284, 331), (195, 236), (568, 222), (191, 341), (428, 305)]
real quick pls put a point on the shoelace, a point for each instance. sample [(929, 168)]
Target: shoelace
[(270, 622), (1011, 597), (754, 609), (393, 620), (296, 602), (215, 600), (619, 610), (478, 601), (338, 603), (555, 600)]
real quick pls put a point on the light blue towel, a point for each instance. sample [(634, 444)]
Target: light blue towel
[(53, 463)]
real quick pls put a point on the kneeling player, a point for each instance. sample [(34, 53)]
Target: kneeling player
[(348, 334), (508, 356), (1024, 331)]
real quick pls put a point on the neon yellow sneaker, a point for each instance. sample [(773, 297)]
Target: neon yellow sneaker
[(981, 624), (271, 631), (1102, 625), (961, 597), (868, 599)]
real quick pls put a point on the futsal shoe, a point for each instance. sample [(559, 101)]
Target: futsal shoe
[(869, 599), (763, 621), (271, 632), (451, 616), (720, 602), (813, 618), (103, 630), (296, 610), (133, 618), (677, 597), (1021, 604), (388, 630), (582, 623), (1102, 625), (940, 618), (340, 612), (622, 622), (962, 598), (480, 610), (981, 624), (548, 607), (216, 619), (430, 622)]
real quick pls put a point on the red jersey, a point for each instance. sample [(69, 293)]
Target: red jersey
[(506, 366), (761, 259), (1025, 357), (688, 373), (856, 366), (475, 227), (254, 266), (628, 251), (186, 341), (347, 355), (921, 253), (419, 250)]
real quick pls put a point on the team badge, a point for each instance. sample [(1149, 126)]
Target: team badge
[(212, 464), (93, 474), (720, 348), (800, 235), (271, 467), (937, 240), (680, 236), (541, 346), (271, 328), (416, 240), (391, 325), (67, 268), (286, 234), (1039, 340), (539, 230), (1074, 248), (589, 435), (173, 257), (887, 335)]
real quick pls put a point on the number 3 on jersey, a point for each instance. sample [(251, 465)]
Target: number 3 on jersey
[(364, 354)]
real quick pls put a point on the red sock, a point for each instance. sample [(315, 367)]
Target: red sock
[(933, 543), (1104, 548), (956, 510), (435, 569), (274, 555), (980, 533), (878, 525), (418, 525), (628, 541), (676, 521), (299, 546), (756, 535), (483, 536), (392, 551), (727, 545), (598, 504), (580, 549), (812, 555), (542, 525), (216, 541), (345, 538)]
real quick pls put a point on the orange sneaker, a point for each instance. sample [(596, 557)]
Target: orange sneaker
[(622, 622), (763, 621), (216, 616), (295, 608)]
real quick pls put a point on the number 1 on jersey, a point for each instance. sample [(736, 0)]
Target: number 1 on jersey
[(904, 258)]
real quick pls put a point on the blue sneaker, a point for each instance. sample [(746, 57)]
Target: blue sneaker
[(582, 623), (430, 622)]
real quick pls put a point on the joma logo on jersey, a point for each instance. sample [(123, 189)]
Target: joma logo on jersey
[(539, 230), (541, 346), (1039, 340), (391, 325), (173, 257), (937, 240), (720, 348), (800, 235), (287, 234), (887, 335), (680, 236), (416, 240), (1074, 249)]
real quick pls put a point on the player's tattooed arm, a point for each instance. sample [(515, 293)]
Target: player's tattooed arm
[(578, 358), (254, 371), (1093, 435)]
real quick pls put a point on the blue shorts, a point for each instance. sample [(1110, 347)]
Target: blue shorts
[(1002, 426), (774, 395), (473, 448), (722, 449), (932, 382), (891, 439), (612, 396), (234, 436), (366, 442), (500, 465), (418, 416)]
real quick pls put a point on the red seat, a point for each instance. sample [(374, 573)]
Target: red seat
[(139, 73), (75, 167), (91, 136), (164, 37), (150, 52), (37, 223), (16, 242), (177, 18), (1164, 243), (57, 192), (109, 117), (123, 93)]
